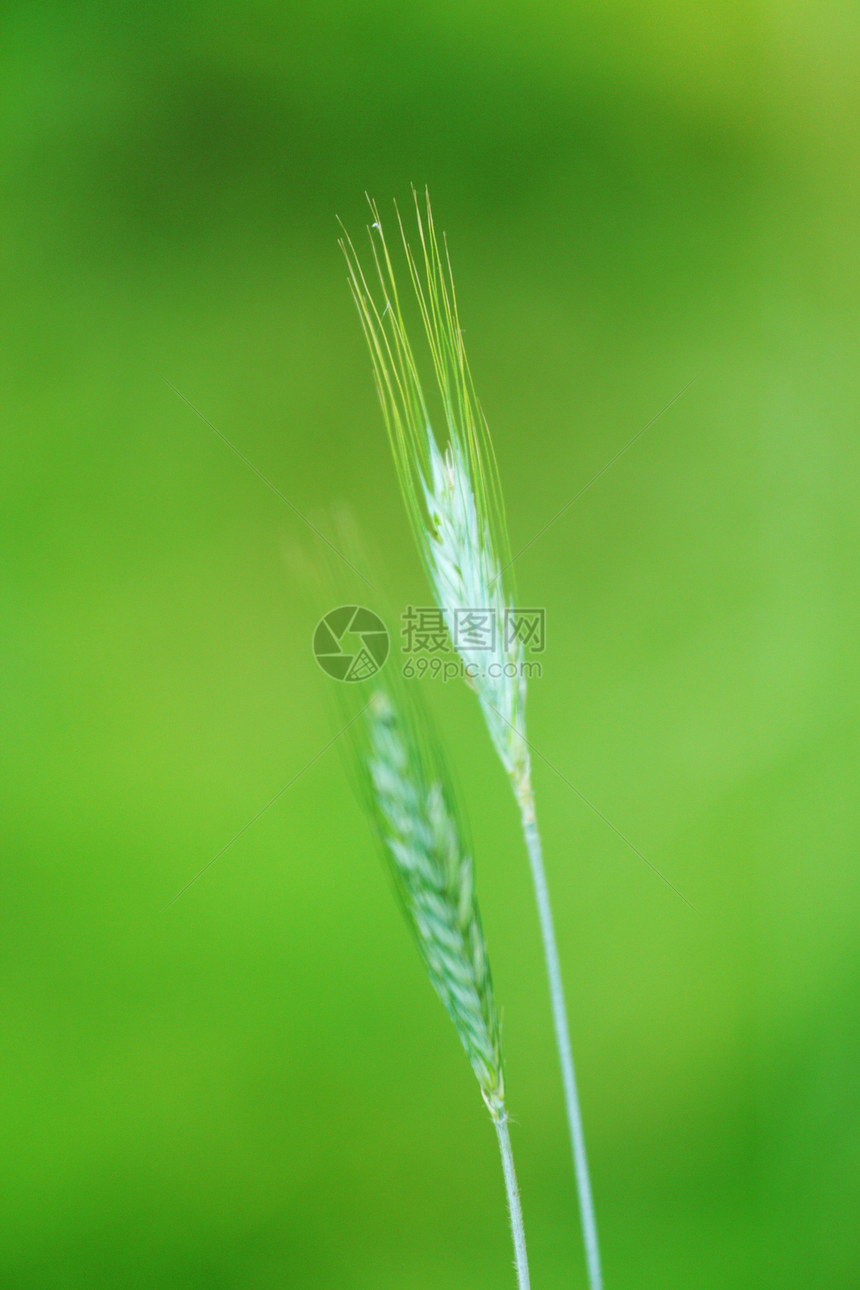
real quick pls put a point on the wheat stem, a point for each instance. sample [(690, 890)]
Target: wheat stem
[(562, 1036), (514, 1207)]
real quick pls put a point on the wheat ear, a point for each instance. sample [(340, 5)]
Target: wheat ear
[(454, 501), (416, 820)]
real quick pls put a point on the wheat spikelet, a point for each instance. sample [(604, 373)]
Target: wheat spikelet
[(433, 876), (452, 493), (416, 819), (465, 574)]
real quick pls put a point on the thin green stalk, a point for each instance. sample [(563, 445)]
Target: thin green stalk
[(562, 1036), (517, 1230)]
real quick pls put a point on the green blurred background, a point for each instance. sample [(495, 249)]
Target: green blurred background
[(256, 1087)]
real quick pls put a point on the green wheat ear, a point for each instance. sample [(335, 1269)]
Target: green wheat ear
[(450, 480), (433, 875), (416, 818), (450, 484)]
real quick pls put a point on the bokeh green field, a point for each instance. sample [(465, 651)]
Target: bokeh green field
[(255, 1087)]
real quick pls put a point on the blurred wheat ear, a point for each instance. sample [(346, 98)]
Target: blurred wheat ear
[(453, 497), (416, 820)]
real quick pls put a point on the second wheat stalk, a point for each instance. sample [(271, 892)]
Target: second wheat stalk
[(415, 813)]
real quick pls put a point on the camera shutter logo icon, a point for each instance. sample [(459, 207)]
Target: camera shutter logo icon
[(351, 643)]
